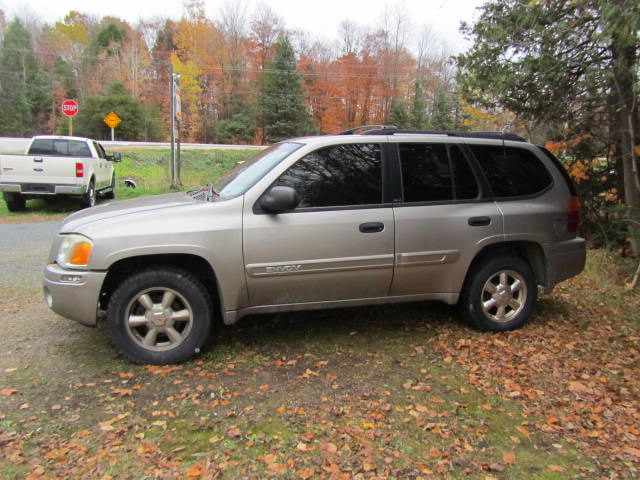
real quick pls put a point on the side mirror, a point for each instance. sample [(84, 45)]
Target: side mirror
[(115, 157), (279, 199)]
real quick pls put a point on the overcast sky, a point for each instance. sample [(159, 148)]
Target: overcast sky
[(318, 17)]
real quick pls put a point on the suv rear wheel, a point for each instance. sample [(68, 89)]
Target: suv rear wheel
[(500, 294), (15, 201), (160, 316)]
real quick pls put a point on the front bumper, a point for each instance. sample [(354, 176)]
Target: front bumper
[(43, 188), (73, 294), (566, 259)]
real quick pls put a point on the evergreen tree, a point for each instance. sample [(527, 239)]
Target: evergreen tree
[(139, 122), (240, 127), (441, 117), (418, 108), (281, 104), (25, 92), (398, 115)]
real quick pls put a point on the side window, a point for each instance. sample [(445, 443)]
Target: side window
[(340, 175), (511, 171), (99, 150), (465, 184), (77, 148), (426, 173), (436, 172), (41, 146)]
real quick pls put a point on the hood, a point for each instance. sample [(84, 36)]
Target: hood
[(124, 207)]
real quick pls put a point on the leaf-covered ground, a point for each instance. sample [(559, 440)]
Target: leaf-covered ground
[(403, 391)]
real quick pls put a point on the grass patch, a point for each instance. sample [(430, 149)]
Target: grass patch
[(150, 169)]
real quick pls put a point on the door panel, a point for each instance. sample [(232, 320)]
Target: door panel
[(443, 221), (312, 256), (435, 245)]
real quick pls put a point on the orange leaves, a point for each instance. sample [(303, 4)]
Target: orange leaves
[(7, 392)]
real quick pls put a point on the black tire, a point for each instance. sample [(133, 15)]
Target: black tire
[(110, 193), (474, 294), (123, 301), (90, 197), (15, 201)]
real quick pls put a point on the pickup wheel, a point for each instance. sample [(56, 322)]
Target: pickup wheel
[(89, 198), (110, 193), (15, 201), (160, 316), (500, 294)]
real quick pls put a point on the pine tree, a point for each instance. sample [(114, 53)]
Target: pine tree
[(418, 108), (281, 104), (398, 115), (441, 117), (25, 91)]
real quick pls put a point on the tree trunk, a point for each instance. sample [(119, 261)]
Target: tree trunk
[(624, 109)]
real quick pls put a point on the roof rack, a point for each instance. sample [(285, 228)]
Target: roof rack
[(392, 129), (371, 130)]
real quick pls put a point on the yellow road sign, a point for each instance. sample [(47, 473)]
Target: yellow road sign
[(112, 120)]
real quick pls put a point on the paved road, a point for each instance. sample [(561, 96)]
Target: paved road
[(24, 247)]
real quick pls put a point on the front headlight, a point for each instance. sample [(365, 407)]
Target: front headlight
[(74, 252)]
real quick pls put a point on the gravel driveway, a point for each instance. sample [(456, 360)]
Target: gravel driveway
[(35, 340)]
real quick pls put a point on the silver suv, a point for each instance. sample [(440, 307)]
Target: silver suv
[(373, 216)]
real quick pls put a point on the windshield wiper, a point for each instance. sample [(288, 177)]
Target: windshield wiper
[(206, 193)]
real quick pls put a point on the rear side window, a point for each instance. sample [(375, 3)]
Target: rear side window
[(435, 172), (510, 171), (41, 146), (340, 175), (60, 148), (563, 171)]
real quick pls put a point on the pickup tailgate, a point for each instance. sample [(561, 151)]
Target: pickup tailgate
[(34, 169)]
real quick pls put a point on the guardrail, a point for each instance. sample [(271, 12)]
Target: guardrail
[(18, 145)]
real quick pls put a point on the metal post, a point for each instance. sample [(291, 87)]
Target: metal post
[(112, 134), (173, 130), (71, 126)]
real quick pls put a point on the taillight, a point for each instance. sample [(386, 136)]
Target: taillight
[(79, 169), (573, 215)]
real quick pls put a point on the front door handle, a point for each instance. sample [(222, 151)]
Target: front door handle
[(371, 227), (479, 221), (37, 160)]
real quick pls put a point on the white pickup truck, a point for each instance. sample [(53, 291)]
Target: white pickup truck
[(54, 165)]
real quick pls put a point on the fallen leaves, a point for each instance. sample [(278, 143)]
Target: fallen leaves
[(7, 392)]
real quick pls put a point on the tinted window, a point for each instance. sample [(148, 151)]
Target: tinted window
[(60, 147), (429, 174), (512, 172), (465, 184), (426, 174), (339, 175), (41, 146)]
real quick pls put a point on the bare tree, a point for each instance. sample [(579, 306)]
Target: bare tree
[(265, 27), (350, 37)]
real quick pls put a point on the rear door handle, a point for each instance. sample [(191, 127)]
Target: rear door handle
[(371, 227), (37, 160), (479, 221)]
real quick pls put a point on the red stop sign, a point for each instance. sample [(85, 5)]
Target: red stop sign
[(70, 108)]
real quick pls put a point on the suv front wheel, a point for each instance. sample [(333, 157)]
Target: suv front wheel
[(500, 294), (160, 316)]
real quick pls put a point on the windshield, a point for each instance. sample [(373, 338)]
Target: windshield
[(248, 173)]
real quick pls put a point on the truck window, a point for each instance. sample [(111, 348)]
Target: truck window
[(99, 150), (59, 147)]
